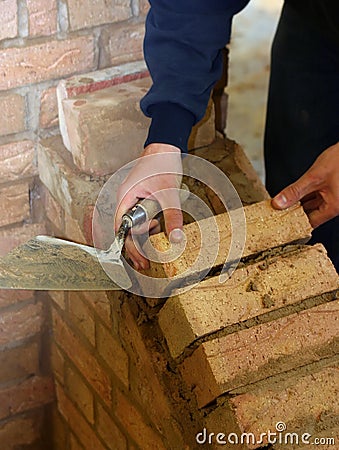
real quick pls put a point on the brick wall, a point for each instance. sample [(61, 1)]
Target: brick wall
[(41, 42)]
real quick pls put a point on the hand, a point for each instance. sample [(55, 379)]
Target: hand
[(317, 189), (156, 172)]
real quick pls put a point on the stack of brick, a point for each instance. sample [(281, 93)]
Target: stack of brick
[(41, 42), (222, 361)]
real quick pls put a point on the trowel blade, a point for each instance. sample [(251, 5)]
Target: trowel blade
[(47, 263)]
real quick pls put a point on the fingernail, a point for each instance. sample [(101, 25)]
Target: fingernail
[(280, 200), (176, 235)]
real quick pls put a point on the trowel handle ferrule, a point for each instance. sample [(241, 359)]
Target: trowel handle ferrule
[(147, 209)]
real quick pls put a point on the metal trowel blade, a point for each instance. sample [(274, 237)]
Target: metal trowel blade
[(48, 263)]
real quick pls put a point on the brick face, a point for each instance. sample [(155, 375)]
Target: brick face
[(19, 362), (80, 394), (87, 13), (20, 432), (17, 161), (122, 43), (42, 17), (48, 108), (109, 431), (20, 324), (8, 19), (45, 61), (81, 316), (15, 206), (13, 237), (12, 108)]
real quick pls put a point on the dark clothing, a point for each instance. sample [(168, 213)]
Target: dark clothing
[(183, 50), (303, 108)]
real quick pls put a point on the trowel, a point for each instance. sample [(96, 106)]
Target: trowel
[(48, 263)]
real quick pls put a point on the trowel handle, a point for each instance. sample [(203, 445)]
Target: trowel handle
[(147, 209)]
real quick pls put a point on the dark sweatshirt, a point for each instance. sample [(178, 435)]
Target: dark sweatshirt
[(182, 47)]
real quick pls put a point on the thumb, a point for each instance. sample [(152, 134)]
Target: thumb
[(293, 193)]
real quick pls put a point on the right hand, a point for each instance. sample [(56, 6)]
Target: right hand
[(158, 169)]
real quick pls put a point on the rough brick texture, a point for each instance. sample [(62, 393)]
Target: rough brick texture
[(42, 17), (8, 19), (252, 291), (13, 118), (45, 61)]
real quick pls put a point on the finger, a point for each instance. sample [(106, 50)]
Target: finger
[(139, 261), (126, 203), (294, 192), (170, 203), (312, 204), (321, 215)]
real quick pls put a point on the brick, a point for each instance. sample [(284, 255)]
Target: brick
[(73, 190), (13, 114), (17, 160), (109, 430), (82, 358), (54, 212), (87, 13), (8, 19), (15, 206), (29, 394), (49, 108), (60, 430), (113, 353), (59, 298), (80, 394), (80, 427), (251, 355), (96, 147), (21, 431), (265, 228), (11, 297), (203, 133), (306, 404), (231, 159), (19, 362), (75, 445), (121, 43), (212, 306), (57, 363), (101, 304), (82, 316), (73, 230), (20, 324), (11, 238), (136, 426), (42, 17), (45, 61)]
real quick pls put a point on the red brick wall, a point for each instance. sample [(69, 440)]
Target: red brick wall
[(41, 42)]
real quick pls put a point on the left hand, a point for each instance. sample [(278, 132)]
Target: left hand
[(317, 189)]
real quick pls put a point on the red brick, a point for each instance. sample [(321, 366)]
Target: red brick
[(97, 12), (12, 114), (17, 160), (81, 316), (11, 297), (80, 427), (59, 297), (29, 394), (57, 363), (42, 16), (45, 61), (259, 352), (19, 362), (308, 404), (136, 425), (54, 212), (15, 206), (11, 238), (20, 324), (121, 43), (113, 353), (109, 431), (82, 358), (49, 108), (80, 394), (75, 445), (20, 431), (211, 306), (8, 19), (73, 230)]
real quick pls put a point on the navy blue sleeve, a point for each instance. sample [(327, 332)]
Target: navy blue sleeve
[(182, 47)]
